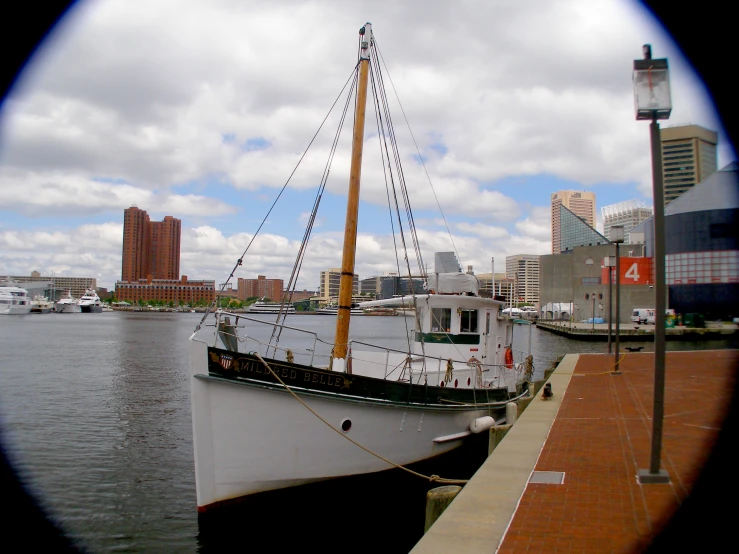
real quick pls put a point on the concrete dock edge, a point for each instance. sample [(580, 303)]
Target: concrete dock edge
[(479, 516)]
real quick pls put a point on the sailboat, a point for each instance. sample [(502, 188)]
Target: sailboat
[(268, 416)]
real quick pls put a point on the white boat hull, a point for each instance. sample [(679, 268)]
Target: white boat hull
[(15, 309), (248, 439), (64, 308)]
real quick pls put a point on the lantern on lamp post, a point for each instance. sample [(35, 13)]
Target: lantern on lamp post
[(652, 102)]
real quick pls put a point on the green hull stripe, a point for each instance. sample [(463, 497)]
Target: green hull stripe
[(445, 338)]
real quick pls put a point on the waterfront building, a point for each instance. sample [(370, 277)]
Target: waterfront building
[(578, 279), (504, 287), (579, 202), (260, 287), (391, 285), (330, 281), (702, 247), (629, 214), (150, 247), (54, 287), (176, 291), (298, 295), (575, 231), (226, 290), (689, 156), (523, 269)]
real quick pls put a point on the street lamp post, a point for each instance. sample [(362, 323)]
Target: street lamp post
[(652, 101), (617, 237), (608, 263), (592, 295)]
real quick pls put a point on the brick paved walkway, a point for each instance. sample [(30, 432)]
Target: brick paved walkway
[(601, 438)]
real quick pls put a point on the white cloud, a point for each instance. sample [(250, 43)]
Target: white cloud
[(60, 193), (538, 224)]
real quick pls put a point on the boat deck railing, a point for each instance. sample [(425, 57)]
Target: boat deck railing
[(394, 359), (230, 338), (519, 360)]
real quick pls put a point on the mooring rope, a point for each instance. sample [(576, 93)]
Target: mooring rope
[(432, 478)]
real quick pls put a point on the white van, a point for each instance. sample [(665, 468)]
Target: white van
[(651, 315), (640, 315)]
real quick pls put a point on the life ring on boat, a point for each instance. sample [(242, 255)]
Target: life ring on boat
[(509, 358)]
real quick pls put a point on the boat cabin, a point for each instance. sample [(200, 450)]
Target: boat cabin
[(456, 332)]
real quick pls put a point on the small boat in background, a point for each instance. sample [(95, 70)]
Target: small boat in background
[(261, 307), (41, 305), (68, 305), (90, 302), (13, 300), (334, 309)]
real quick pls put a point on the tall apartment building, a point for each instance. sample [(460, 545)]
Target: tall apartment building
[(629, 214), (261, 287), (164, 249), (524, 270), (688, 157), (579, 202), (150, 247), (135, 245), (331, 281)]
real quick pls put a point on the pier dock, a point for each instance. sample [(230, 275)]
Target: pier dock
[(564, 478), (633, 332)]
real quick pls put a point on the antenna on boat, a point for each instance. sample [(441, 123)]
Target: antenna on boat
[(346, 284)]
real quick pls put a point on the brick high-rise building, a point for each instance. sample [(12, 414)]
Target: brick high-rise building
[(261, 287), (150, 248), (164, 249), (135, 244)]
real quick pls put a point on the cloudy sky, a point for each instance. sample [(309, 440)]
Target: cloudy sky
[(201, 110)]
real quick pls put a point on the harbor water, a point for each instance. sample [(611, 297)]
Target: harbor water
[(95, 417)]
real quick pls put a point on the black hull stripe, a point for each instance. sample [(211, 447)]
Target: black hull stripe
[(240, 367)]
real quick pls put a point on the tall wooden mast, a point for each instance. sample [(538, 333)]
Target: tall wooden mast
[(352, 208)]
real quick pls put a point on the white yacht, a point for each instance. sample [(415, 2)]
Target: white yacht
[(90, 303), (67, 305), (332, 309), (261, 307), (41, 305), (13, 300)]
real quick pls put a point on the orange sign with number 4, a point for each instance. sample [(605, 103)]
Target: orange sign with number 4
[(634, 271)]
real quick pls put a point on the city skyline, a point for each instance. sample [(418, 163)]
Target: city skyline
[(199, 131)]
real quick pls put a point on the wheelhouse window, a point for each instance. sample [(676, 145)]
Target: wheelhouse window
[(468, 321), (441, 320)]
